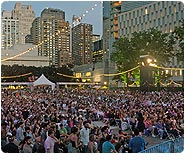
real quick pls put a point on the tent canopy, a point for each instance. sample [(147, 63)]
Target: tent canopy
[(42, 80)]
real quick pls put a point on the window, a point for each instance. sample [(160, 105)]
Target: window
[(174, 9), (154, 7), (154, 22), (171, 29), (133, 14), (177, 17), (163, 4), (144, 18), (148, 17), (159, 22), (163, 20), (129, 15), (140, 20), (149, 9), (146, 11), (182, 14), (179, 6), (170, 10), (165, 11), (132, 22)]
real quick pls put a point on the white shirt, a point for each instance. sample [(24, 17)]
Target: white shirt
[(84, 135)]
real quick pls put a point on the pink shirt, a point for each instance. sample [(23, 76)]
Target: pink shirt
[(49, 144)]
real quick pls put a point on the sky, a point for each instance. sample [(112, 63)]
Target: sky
[(70, 8)]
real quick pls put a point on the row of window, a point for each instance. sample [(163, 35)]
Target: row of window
[(146, 18), (166, 8), (127, 31)]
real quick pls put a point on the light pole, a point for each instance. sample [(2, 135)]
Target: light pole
[(147, 74)]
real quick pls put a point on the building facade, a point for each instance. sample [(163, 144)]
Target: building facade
[(29, 58), (9, 31), (95, 37), (163, 15), (25, 15), (82, 44), (52, 34), (122, 18)]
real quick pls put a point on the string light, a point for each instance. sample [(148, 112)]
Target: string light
[(172, 81), (100, 74), (122, 72), (90, 9), (24, 52), (168, 68), (15, 76)]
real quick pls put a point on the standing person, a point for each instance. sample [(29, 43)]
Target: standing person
[(84, 135), (10, 147), (107, 146), (137, 143), (92, 147), (20, 132), (73, 141), (27, 147), (50, 141), (38, 147)]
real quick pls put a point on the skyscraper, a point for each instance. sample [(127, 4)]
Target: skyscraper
[(53, 32), (25, 15), (9, 30), (122, 18), (82, 44)]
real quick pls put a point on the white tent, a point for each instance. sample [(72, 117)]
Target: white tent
[(42, 80)]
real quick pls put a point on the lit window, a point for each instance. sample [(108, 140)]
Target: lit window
[(171, 73), (174, 9), (176, 73), (146, 11), (171, 29), (180, 72)]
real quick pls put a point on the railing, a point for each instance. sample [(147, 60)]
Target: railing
[(171, 146)]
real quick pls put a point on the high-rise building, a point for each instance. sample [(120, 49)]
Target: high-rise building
[(25, 15), (82, 44), (122, 18), (48, 13), (9, 30), (98, 51), (163, 15), (53, 33)]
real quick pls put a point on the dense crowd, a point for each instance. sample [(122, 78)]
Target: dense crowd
[(61, 121)]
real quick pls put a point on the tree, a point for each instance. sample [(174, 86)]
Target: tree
[(177, 38), (126, 53), (49, 72)]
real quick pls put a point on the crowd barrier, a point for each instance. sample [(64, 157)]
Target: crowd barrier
[(170, 146)]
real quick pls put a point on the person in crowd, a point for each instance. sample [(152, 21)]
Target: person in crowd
[(50, 141), (28, 144), (92, 145), (137, 143), (20, 132), (45, 107), (10, 147), (37, 146), (73, 141), (84, 135), (107, 146)]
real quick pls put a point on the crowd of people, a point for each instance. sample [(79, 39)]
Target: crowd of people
[(61, 121)]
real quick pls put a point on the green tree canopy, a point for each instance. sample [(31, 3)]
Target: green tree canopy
[(177, 39)]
